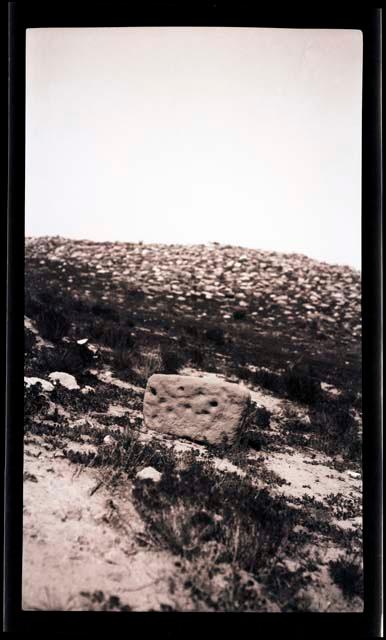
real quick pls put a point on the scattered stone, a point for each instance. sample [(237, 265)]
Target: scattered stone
[(109, 440), (149, 473), (82, 341), (65, 379), (201, 409)]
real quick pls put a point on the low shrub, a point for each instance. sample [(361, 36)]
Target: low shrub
[(52, 324), (29, 341), (215, 335), (32, 306), (70, 358), (105, 311), (302, 385), (262, 417), (251, 526), (347, 572), (112, 335), (197, 357), (35, 403), (171, 361), (336, 430)]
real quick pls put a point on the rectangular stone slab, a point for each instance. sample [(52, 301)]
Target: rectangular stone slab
[(201, 409)]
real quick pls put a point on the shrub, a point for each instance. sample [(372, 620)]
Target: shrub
[(252, 528), (336, 430), (197, 357), (144, 364), (35, 403), (252, 439), (70, 358), (29, 341), (171, 361), (260, 377), (191, 329), (239, 314), (347, 572), (135, 294), (105, 311), (52, 324), (215, 335), (32, 306), (301, 384), (112, 335), (262, 417)]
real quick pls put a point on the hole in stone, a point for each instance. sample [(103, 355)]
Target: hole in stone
[(187, 405), (162, 399), (202, 411), (213, 403), (169, 408), (180, 388), (153, 390)]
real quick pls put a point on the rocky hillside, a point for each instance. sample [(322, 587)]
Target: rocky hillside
[(271, 524)]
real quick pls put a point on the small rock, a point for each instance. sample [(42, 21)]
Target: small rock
[(108, 440), (149, 473), (353, 474), (82, 341), (87, 389), (47, 386), (65, 379)]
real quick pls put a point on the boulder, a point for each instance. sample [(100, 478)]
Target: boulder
[(200, 409), (65, 379)]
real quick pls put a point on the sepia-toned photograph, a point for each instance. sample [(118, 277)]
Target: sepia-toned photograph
[(192, 320)]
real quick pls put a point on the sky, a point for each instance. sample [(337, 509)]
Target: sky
[(249, 137)]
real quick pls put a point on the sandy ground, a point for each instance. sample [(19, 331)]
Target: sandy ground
[(79, 538)]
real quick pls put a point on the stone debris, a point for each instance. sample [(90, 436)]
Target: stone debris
[(65, 379), (278, 288), (149, 473), (200, 409)]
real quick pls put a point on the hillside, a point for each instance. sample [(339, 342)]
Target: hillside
[(272, 524)]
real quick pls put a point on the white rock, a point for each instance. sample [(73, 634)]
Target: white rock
[(47, 386), (29, 325), (353, 474), (149, 473), (65, 379), (87, 389), (109, 440), (82, 341)]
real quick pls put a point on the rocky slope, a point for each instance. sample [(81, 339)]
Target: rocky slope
[(99, 537)]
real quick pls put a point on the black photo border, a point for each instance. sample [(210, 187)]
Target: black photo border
[(241, 14)]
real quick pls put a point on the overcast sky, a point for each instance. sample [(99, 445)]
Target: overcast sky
[(249, 137)]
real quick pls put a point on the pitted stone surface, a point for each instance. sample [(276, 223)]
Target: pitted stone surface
[(200, 409)]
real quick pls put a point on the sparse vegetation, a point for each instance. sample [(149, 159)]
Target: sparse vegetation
[(53, 325), (240, 543), (347, 572), (29, 341)]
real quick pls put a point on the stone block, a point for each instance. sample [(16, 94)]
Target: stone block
[(200, 409)]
